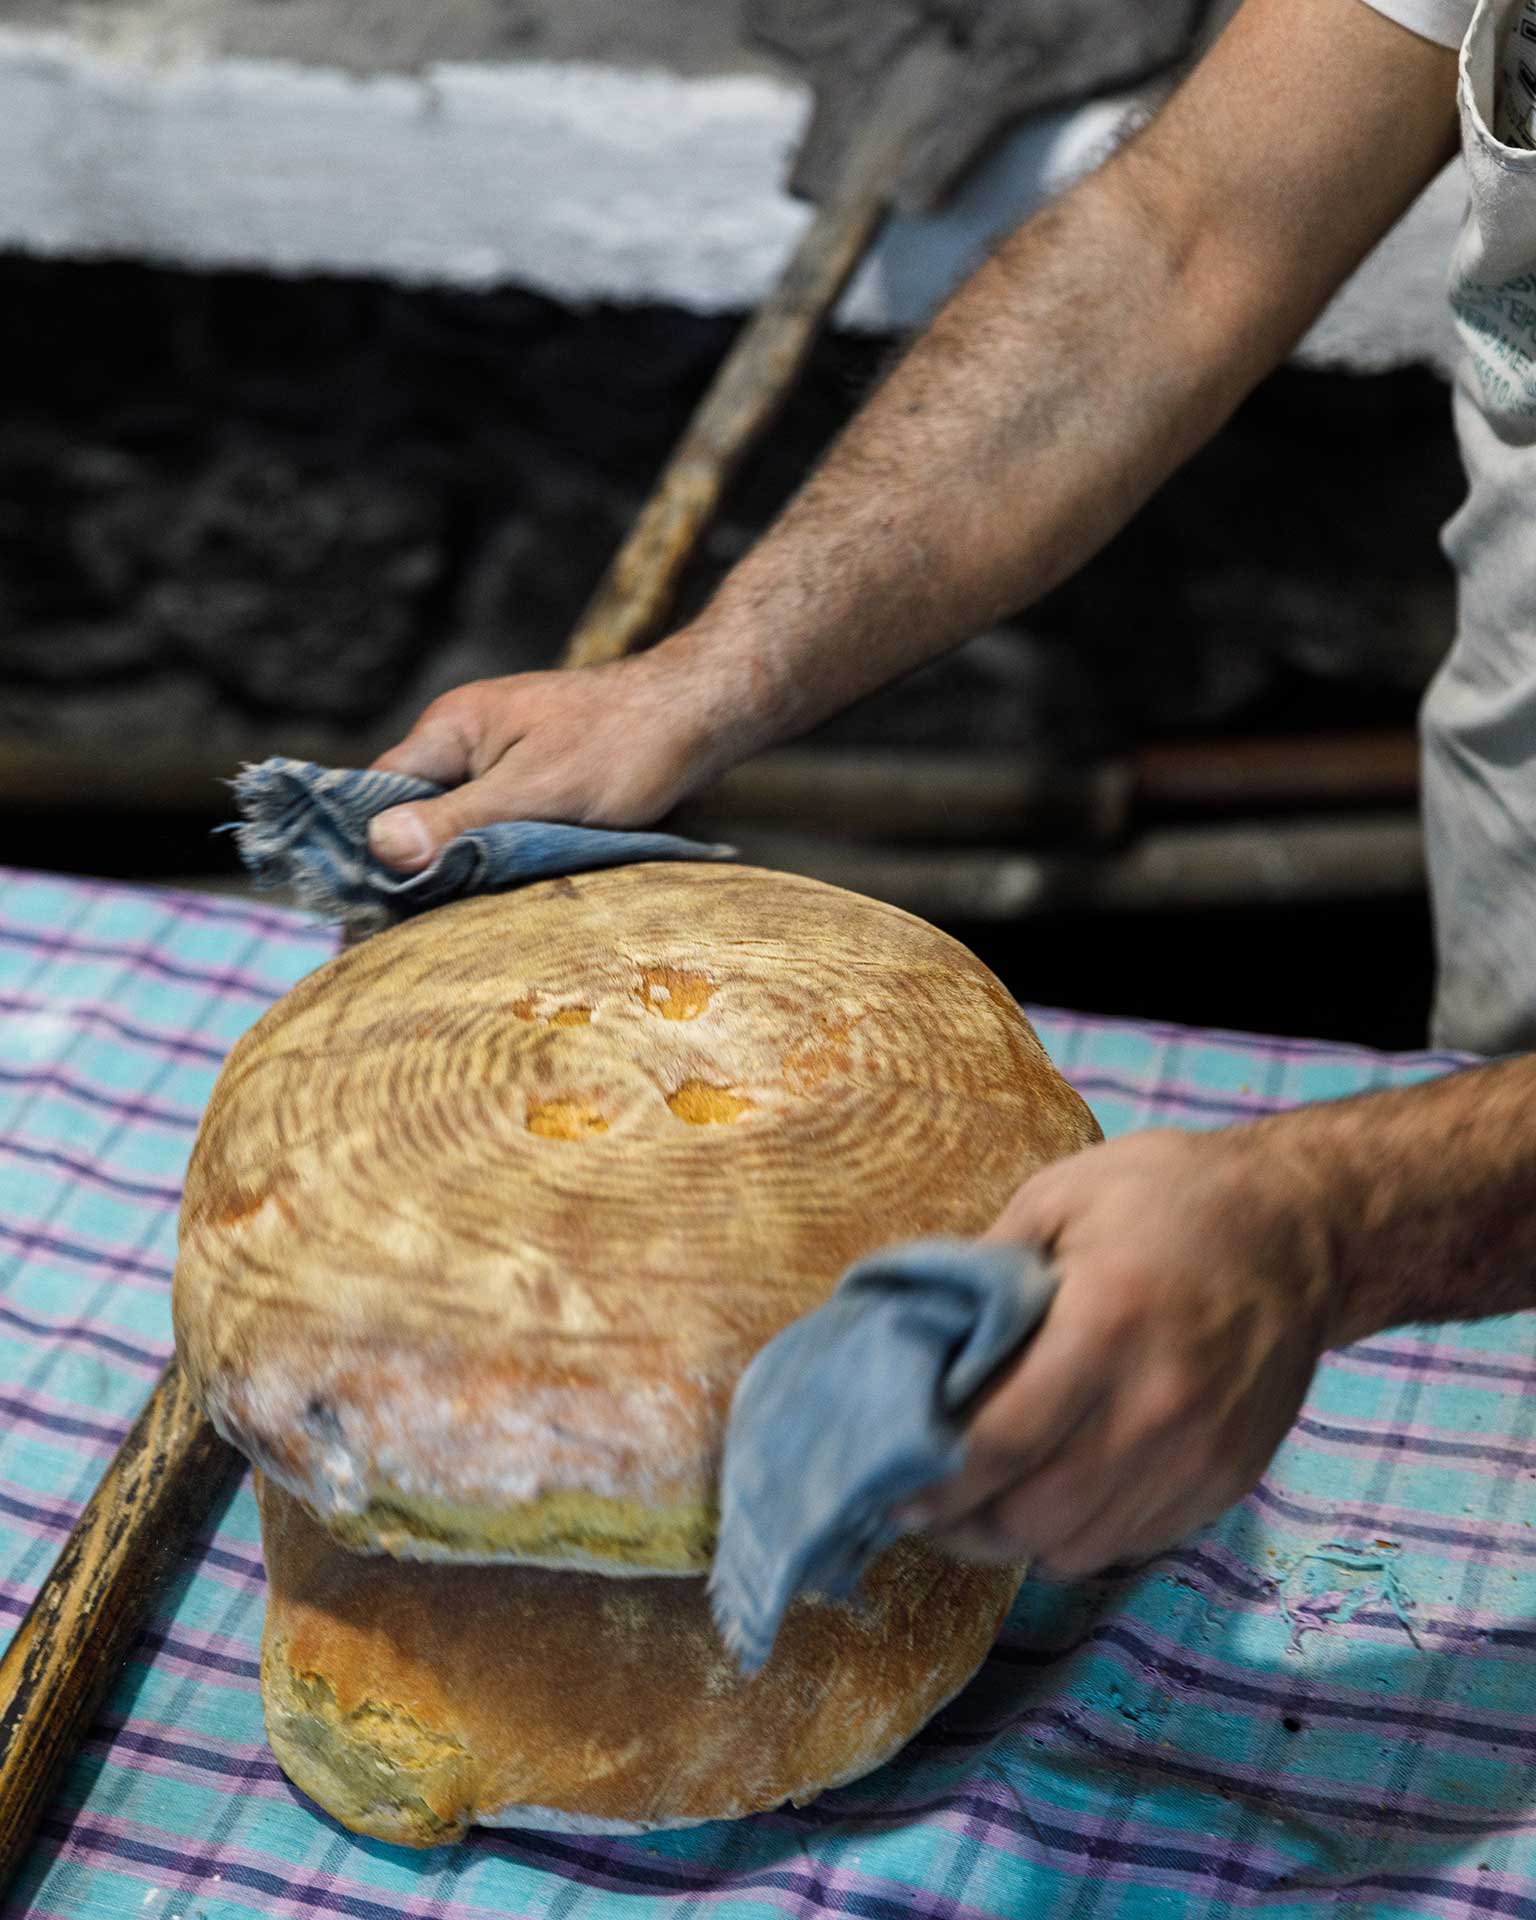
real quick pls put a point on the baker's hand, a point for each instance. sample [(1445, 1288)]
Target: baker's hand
[(1195, 1298), (613, 746)]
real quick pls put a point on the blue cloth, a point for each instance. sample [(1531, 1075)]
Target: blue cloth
[(848, 1413), (306, 827)]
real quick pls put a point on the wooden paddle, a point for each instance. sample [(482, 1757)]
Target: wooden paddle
[(77, 1633)]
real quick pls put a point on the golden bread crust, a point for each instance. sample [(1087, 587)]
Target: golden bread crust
[(412, 1701), (487, 1216)]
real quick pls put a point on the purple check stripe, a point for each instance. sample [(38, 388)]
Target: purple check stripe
[(226, 982), (128, 1267), (1205, 1568), (170, 1751), (622, 1867), (1076, 1846), (1441, 1366), (132, 1108), (1146, 1658), (1496, 1543), (101, 1840), (41, 1516), (284, 924), (1220, 1109), (1147, 1857), (49, 1333), (85, 1173), (236, 1564), (163, 1749), (1483, 1458), (56, 1418), (206, 1656), (1055, 1731), (230, 1664), (179, 1046), (1253, 1046)]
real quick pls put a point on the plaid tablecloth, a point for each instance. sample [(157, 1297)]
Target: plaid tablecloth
[(1326, 1706)]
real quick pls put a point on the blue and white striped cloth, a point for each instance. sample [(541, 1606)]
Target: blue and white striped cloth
[(306, 827)]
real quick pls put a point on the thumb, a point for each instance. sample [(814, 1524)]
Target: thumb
[(410, 838)]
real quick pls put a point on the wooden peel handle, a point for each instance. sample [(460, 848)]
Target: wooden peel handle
[(636, 593), (78, 1631)]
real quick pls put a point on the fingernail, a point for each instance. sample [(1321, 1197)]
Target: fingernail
[(399, 838)]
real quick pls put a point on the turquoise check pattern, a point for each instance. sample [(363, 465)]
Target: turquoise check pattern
[(1326, 1706)]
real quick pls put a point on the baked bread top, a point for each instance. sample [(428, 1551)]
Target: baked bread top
[(487, 1216)]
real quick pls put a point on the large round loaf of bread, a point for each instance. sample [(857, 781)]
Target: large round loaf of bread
[(483, 1224), (488, 1215)]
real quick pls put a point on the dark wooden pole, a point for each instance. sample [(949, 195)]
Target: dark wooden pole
[(78, 1631)]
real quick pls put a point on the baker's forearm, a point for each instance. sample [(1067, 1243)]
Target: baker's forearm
[(1081, 365), (1059, 387), (1202, 1275), (1428, 1195)]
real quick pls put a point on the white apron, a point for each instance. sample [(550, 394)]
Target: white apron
[(1479, 721)]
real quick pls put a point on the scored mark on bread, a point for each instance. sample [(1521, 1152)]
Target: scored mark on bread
[(703, 1105), (528, 1009), (672, 994), (565, 1119)]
